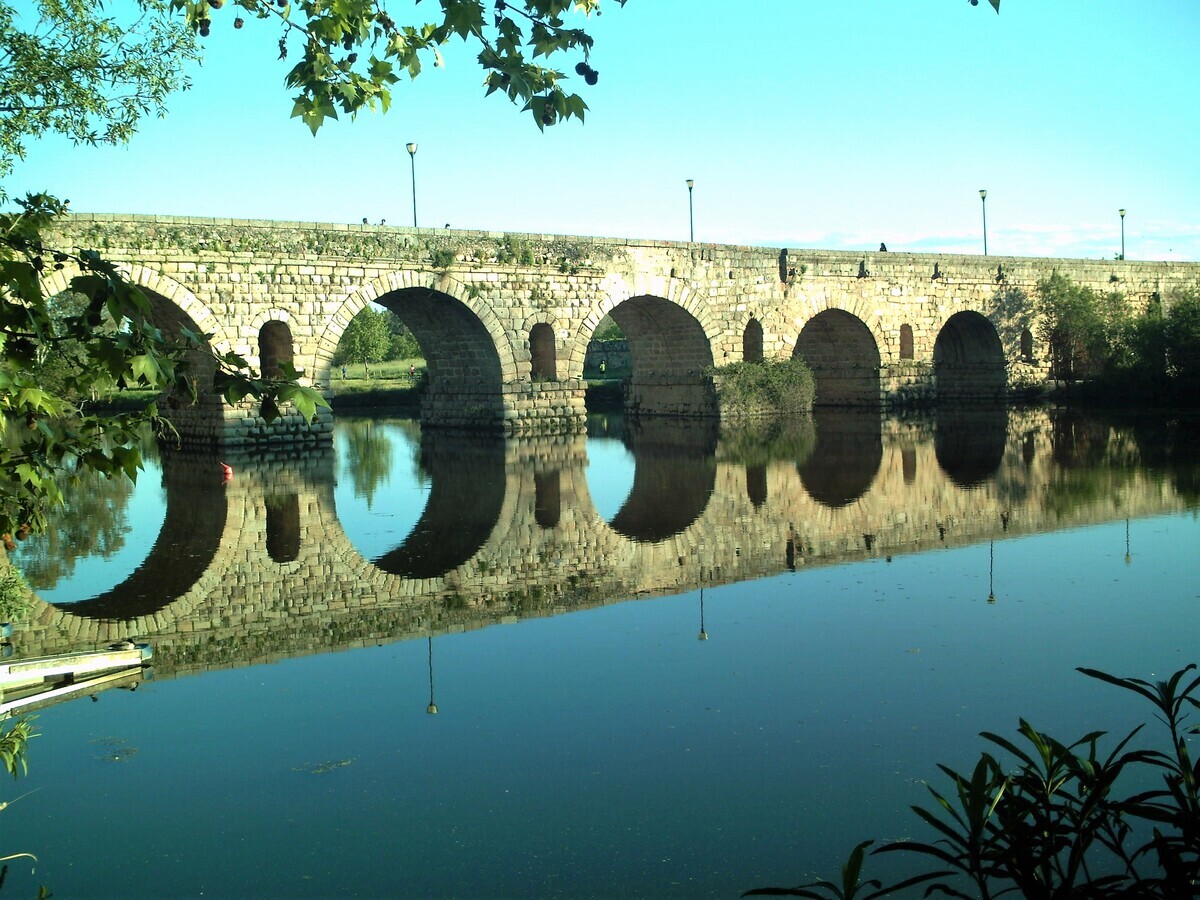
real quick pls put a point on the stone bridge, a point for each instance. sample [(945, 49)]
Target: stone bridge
[(261, 568), (505, 320)]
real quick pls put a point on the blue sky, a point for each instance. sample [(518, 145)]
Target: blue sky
[(805, 123)]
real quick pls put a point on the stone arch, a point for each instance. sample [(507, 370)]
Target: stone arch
[(615, 290), (843, 354), (752, 341), (159, 287), (670, 349), (543, 356), (906, 341), (411, 282), (466, 347), (968, 359)]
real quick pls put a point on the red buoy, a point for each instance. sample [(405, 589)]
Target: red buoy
[(226, 473)]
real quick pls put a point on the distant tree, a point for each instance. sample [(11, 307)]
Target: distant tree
[(608, 330), (403, 342), (366, 339)]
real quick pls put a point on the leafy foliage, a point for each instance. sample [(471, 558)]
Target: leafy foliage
[(367, 339), (1057, 826), (47, 432), (352, 52), (765, 388), (14, 594), (86, 70)]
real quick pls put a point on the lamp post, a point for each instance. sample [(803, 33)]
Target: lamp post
[(691, 183), (412, 157), (983, 200), (1122, 213)]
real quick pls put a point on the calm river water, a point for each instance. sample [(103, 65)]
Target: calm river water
[(655, 661)]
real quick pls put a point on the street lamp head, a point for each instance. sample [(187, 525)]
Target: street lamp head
[(411, 148), (1122, 213), (983, 194), (691, 183)]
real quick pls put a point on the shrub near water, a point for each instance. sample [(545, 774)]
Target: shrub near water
[(764, 389)]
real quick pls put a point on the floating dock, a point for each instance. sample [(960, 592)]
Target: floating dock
[(29, 684)]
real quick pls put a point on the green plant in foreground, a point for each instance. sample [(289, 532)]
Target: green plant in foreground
[(1056, 826), (13, 744)]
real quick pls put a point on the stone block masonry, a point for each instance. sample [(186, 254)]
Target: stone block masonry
[(505, 319)]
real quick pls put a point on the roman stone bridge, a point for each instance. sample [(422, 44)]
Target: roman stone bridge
[(505, 320), (262, 568)]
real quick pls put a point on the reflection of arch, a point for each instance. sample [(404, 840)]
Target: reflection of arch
[(669, 357), (182, 552), (968, 359), (547, 498), (844, 358), (466, 495), (543, 362), (752, 341), (969, 443), (906, 341), (848, 453), (275, 348), (756, 485), (673, 480), (283, 527)]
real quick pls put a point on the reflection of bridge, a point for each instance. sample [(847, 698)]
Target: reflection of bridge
[(505, 320), (261, 567)]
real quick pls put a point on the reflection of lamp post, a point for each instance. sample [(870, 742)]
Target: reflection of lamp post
[(432, 707), (983, 200), (691, 183), (991, 570), (412, 157), (703, 636), (1122, 214), (1128, 556)]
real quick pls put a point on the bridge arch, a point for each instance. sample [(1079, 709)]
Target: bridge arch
[(843, 354), (670, 347), (467, 350), (968, 359), (163, 292)]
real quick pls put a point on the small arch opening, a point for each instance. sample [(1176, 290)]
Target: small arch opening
[(543, 358), (906, 342), (275, 348), (1026, 346), (752, 342)]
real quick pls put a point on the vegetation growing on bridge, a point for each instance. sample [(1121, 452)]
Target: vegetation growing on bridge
[(1096, 338), (764, 389)]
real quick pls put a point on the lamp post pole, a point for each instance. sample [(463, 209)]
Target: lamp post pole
[(691, 183), (983, 201), (412, 157), (1122, 212)]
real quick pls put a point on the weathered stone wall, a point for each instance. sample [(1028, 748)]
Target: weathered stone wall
[(474, 298)]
